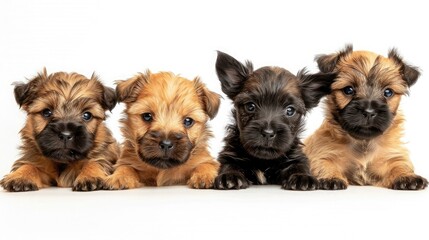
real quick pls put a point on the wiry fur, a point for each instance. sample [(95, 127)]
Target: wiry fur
[(359, 140), (262, 146), (82, 162), (169, 99)]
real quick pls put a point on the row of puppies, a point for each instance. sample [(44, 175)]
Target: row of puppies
[(66, 143)]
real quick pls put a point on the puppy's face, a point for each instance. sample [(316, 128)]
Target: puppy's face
[(367, 92), (166, 116), (269, 103), (64, 111)]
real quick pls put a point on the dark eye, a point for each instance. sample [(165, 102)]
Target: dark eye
[(86, 116), (349, 90), (188, 122), (46, 113), (147, 117), (388, 92), (250, 107), (290, 111)]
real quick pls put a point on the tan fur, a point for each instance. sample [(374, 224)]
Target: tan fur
[(63, 93), (334, 154), (170, 98)]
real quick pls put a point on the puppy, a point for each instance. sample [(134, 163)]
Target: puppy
[(359, 141), (65, 141), (262, 146), (165, 130)]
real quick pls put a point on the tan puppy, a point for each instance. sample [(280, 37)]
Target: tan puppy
[(65, 141), (359, 142), (165, 130)]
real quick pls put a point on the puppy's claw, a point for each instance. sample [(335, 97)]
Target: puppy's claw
[(88, 184), (229, 181), (18, 185), (301, 182), (332, 184), (414, 182)]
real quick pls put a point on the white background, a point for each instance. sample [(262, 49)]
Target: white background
[(119, 39)]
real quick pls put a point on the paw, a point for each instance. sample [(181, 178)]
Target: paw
[(228, 181), (88, 184), (332, 184), (18, 184), (414, 182), (201, 181), (119, 182), (301, 182)]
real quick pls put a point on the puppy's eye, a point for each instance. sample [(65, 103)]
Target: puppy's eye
[(86, 116), (250, 107), (290, 111), (188, 122), (46, 113), (349, 90), (388, 93), (147, 117)]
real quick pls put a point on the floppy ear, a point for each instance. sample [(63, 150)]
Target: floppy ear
[(25, 93), (231, 73), (210, 100), (409, 73), (109, 98), (127, 90), (327, 63), (315, 86)]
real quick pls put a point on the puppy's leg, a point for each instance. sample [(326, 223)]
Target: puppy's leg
[(91, 177), (26, 178), (329, 173), (124, 177), (297, 176), (231, 176), (399, 175), (204, 175)]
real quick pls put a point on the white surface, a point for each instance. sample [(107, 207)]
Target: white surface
[(118, 39)]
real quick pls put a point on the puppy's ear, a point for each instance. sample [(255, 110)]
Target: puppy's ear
[(231, 73), (25, 93), (409, 73), (314, 86), (109, 98), (327, 63), (210, 100), (127, 90)]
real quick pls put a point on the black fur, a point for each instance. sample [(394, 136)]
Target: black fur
[(263, 145), (65, 148)]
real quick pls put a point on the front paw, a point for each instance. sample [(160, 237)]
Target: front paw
[(228, 181), (332, 184), (18, 184), (301, 182), (414, 182), (201, 181), (85, 184), (120, 182)]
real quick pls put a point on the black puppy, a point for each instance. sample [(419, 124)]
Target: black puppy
[(263, 145)]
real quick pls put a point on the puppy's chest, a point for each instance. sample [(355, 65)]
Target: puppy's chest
[(359, 169)]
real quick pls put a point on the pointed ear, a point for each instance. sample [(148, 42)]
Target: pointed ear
[(327, 63), (315, 86), (210, 100), (127, 90), (409, 73), (25, 93), (231, 73)]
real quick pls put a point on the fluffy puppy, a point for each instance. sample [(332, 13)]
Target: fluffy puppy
[(65, 141), (165, 130), (262, 146), (359, 141)]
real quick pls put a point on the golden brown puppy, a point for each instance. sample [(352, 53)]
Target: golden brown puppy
[(65, 141), (359, 142), (166, 133)]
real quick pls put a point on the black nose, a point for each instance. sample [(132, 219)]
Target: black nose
[(369, 112), (268, 133), (65, 135), (166, 145)]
